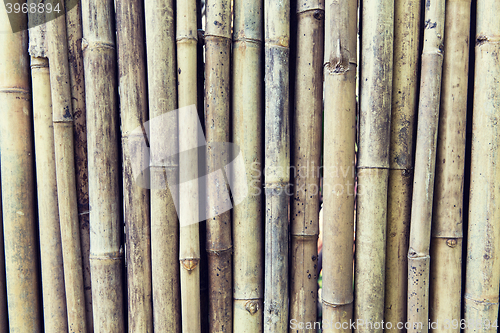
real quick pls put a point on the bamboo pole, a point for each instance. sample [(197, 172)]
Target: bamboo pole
[(4, 317), (189, 235), (277, 161), (248, 272), (404, 107), (106, 252), (217, 102), (373, 160), (446, 242), (339, 169), (483, 249), (53, 287), (133, 112), (162, 79), (18, 185), (62, 116), (425, 155), (77, 80), (307, 159)]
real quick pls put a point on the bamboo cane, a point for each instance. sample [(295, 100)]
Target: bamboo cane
[(425, 155), (446, 242), (164, 226), (307, 159), (373, 163), (483, 249), (248, 273), (18, 186), (404, 106), (189, 236), (338, 182), (106, 253), (4, 318), (75, 59), (133, 112), (62, 115), (53, 287), (219, 244), (277, 161)]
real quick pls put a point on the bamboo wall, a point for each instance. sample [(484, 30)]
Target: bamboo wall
[(250, 166)]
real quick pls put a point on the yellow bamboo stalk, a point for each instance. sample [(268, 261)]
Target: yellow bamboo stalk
[(338, 183), (18, 186), (189, 235), (425, 157), (373, 160), (446, 242), (106, 253), (53, 287), (277, 162), (481, 299), (4, 317), (162, 84), (62, 115), (307, 159), (248, 272), (133, 112), (404, 107), (77, 80)]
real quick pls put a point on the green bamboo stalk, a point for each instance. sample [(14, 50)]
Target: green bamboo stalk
[(339, 153), (18, 185), (189, 234), (277, 161), (248, 272), (74, 34), (133, 112), (373, 161), (446, 242), (106, 252), (483, 244), (307, 159), (162, 84), (404, 107)]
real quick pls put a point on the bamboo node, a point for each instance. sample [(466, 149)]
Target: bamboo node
[(189, 264), (451, 242), (252, 307)]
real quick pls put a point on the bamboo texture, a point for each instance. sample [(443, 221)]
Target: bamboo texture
[(162, 84), (304, 207), (189, 234), (446, 242), (339, 169), (483, 244), (51, 257), (248, 272), (4, 317), (277, 161), (18, 187), (377, 25), (106, 252), (403, 112), (133, 114), (74, 35)]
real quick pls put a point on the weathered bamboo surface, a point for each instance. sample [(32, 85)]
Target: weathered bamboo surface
[(4, 317)]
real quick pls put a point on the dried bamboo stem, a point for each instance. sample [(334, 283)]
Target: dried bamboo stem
[(77, 80), (483, 250), (133, 112), (307, 159), (404, 107), (162, 79), (53, 287), (18, 185), (106, 253), (373, 160), (425, 157), (446, 243), (340, 136), (4, 317), (248, 272), (189, 235), (277, 161)]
